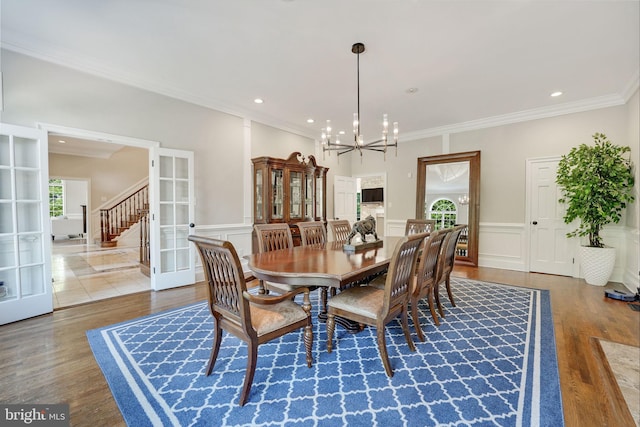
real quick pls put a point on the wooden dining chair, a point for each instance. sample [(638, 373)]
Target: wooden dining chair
[(255, 319), (340, 229), (448, 262), (416, 226), (312, 233), (427, 275), (272, 237), (373, 306)]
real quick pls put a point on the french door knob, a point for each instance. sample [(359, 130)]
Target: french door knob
[(192, 225), (535, 223)]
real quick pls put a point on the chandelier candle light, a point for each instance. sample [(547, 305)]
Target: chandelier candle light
[(358, 139)]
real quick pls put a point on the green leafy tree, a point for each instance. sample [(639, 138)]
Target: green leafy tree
[(597, 182)]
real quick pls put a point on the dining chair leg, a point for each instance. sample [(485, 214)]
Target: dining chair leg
[(262, 289), (251, 370), (405, 327), (416, 319), (308, 343), (382, 348), (331, 325), (434, 315), (453, 303), (217, 338), (436, 294)]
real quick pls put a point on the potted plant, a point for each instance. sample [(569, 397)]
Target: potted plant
[(597, 182)]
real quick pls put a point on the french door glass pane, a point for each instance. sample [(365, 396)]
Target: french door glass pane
[(5, 188), (7, 257), (166, 190), (8, 276), (29, 249), (6, 218), (25, 150), (31, 280), (5, 153), (27, 185), (182, 168)]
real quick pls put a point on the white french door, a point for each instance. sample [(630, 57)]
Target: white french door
[(172, 218), (551, 251), (344, 198), (25, 236)]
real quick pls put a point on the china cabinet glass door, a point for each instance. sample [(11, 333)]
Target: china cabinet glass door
[(173, 263), (319, 197), (259, 203), (295, 194), (308, 195), (277, 180), (25, 271)]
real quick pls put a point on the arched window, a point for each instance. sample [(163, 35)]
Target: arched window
[(445, 212)]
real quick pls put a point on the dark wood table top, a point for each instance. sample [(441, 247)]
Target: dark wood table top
[(322, 265)]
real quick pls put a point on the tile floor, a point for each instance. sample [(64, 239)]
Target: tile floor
[(84, 273)]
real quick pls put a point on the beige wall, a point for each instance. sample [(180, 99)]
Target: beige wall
[(107, 177)]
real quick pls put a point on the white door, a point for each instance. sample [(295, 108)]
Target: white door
[(344, 198), (551, 251), (172, 218), (25, 231)]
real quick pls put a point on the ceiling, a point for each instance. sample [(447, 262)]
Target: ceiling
[(433, 66), (67, 145)]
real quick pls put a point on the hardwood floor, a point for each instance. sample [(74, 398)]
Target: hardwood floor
[(48, 360)]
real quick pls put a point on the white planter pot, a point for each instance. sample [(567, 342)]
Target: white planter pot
[(597, 264)]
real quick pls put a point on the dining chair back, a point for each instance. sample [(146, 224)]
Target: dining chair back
[(272, 237), (373, 306), (254, 319), (340, 229), (416, 226), (312, 233), (448, 262), (429, 268)]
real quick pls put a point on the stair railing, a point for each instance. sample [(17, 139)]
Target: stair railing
[(145, 253), (115, 220)]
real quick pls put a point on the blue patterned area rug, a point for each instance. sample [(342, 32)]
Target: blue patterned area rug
[(491, 362)]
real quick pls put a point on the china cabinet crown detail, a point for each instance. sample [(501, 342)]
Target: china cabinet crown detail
[(289, 190)]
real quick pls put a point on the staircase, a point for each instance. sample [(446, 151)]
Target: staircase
[(116, 220)]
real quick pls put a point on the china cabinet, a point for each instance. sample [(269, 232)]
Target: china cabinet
[(289, 190)]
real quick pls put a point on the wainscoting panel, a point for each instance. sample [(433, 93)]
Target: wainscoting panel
[(503, 246), (395, 227), (631, 277), (238, 234)]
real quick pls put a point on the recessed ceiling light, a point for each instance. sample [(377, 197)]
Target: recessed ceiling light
[(412, 90), (310, 121), (61, 141), (554, 94), (258, 100), (341, 132)]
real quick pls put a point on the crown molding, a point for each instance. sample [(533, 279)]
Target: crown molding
[(520, 116)]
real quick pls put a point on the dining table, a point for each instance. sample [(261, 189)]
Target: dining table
[(327, 266)]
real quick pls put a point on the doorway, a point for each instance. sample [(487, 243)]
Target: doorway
[(82, 271), (550, 251)]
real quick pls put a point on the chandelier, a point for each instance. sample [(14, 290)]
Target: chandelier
[(358, 144)]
